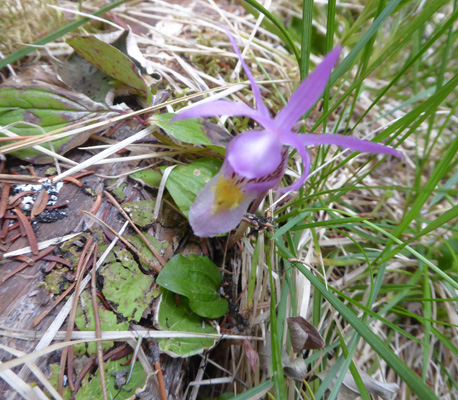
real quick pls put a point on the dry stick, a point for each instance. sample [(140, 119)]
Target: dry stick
[(98, 328), (71, 349), (24, 265), (121, 210), (71, 319), (19, 179), (62, 296), (126, 242), (158, 369)]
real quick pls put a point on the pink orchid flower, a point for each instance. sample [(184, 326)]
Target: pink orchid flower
[(256, 160)]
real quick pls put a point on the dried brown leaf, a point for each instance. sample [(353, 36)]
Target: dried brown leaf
[(304, 336)]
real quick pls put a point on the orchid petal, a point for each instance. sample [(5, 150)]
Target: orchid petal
[(254, 154), (223, 107), (267, 182), (293, 140), (308, 92), (205, 222), (348, 142), (257, 93)]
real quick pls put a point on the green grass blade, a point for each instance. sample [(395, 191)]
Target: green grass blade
[(350, 59), (400, 368), (254, 392), (306, 40), (279, 25)]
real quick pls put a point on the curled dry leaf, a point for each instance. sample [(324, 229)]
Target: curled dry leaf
[(304, 336), (296, 370), (250, 353), (349, 390)]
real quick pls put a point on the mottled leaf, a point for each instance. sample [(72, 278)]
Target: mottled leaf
[(112, 62), (37, 108)]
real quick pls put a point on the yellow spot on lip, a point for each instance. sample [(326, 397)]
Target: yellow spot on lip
[(228, 195)]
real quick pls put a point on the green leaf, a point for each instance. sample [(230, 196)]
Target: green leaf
[(85, 321), (115, 377), (141, 212), (177, 316), (149, 178), (125, 287), (187, 130), (198, 279), (186, 181), (35, 109), (112, 62)]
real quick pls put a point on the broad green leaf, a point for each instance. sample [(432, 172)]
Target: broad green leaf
[(149, 178), (125, 287), (198, 279), (85, 321), (34, 109), (176, 316), (116, 374), (112, 62), (186, 181), (187, 130), (141, 212)]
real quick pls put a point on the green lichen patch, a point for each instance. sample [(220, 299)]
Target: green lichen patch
[(85, 321), (116, 375), (127, 289), (141, 212), (138, 242)]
